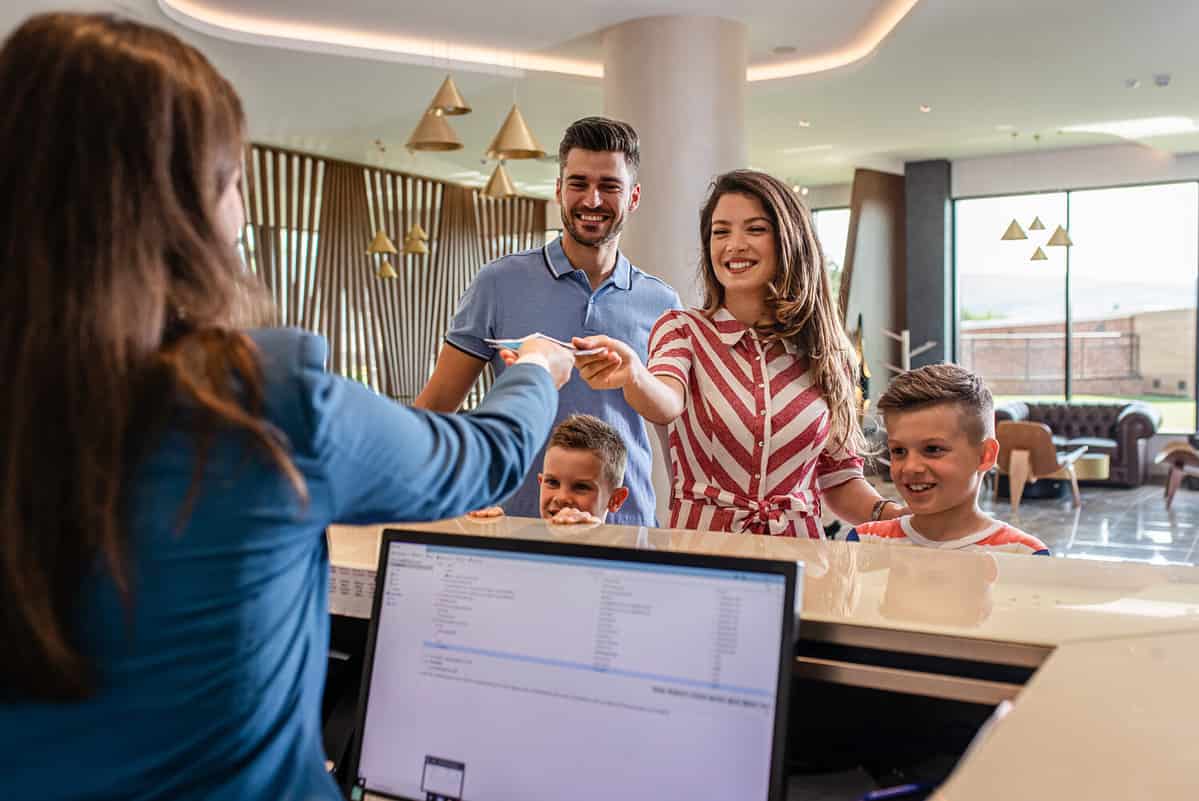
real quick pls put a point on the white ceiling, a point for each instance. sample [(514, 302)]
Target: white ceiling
[(1034, 65)]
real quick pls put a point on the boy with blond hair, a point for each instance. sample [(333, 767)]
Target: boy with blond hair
[(940, 424), (582, 476)]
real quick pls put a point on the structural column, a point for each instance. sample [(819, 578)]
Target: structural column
[(680, 81)]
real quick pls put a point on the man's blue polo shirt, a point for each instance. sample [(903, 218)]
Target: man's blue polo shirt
[(540, 290)]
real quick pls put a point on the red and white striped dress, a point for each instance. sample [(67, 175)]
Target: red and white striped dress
[(748, 453)]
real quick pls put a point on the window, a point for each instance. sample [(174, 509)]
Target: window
[(832, 229), (1128, 285), (1011, 310), (1132, 286)]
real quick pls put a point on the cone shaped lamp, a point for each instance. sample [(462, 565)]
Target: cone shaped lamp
[(416, 232), (433, 133), (499, 185), (1060, 239), (386, 270), (415, 246), (514, 140), (1014, 231), (448, 100), (1036, 225), (1039, 255), (381, 244)]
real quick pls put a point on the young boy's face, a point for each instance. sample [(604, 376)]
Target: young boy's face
[(934, 462), (575, 478)]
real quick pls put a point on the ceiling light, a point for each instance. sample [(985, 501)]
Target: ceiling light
[(1161, 79), (1005, 127), (806, 149), (925, 108), (514, 140), (805, 123), (785, 50), (803, 190), (242, 27), (1132, 83), (1143, 128)]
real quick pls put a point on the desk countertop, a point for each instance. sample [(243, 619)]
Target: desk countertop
[(1110, 714)]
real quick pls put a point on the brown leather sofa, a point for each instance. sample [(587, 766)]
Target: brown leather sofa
[(1121, 430)]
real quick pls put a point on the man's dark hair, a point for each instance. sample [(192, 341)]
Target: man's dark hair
[(602, 135)]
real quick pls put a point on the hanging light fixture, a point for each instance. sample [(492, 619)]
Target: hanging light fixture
[(448, 100), (1014, 231), (434, 133), (381, 244), (1039, 255), (1036, 225), (1060, 239), (514, 140), (500, 184), (415, 239)]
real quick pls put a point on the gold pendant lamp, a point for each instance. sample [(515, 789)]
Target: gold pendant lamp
[(448, 100), (415, 239), (1039, 255), (514, 140), (433, 133), (1014, 231), (500, 184), (382, 245), (1036, 225), (1060, 239)]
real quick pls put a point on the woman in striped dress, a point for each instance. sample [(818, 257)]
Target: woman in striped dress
[(757, 387)]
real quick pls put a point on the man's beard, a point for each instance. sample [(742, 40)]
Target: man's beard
[(568, 224)]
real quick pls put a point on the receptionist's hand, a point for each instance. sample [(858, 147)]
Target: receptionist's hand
[(556, 359)]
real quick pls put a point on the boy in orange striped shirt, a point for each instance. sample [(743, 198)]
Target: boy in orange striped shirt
[(941, 437)]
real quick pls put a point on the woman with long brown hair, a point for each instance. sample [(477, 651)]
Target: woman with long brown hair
[(757, 387), (167, 472)]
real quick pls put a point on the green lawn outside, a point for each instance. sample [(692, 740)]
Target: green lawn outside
[(1178, 414)]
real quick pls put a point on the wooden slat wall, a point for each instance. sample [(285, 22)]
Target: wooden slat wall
[(309, 221)]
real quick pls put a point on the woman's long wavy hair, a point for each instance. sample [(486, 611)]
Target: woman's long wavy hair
[(122, 296), (799, 298)]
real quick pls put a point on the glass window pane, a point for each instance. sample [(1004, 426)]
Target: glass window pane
[(832, 229), (1132, 288), (1011, 310)]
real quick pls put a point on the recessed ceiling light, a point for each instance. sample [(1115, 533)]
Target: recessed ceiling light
[(805, 123), (925, 108), (1132, 83), (785, 50), (803, 190), (1161, 79), (796, 188), (1144, 128)]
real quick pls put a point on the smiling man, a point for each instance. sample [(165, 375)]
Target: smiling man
[(579, 284)]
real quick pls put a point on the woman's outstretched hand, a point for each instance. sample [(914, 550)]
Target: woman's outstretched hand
[(614, 368)]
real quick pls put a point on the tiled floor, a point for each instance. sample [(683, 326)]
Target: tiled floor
[(1112, 523)]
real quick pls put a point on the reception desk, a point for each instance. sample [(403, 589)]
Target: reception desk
[(1098, 658)]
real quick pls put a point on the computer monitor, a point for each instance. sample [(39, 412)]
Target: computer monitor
[(513, 670)]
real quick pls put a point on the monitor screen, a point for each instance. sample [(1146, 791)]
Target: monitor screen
[(501, 674)]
